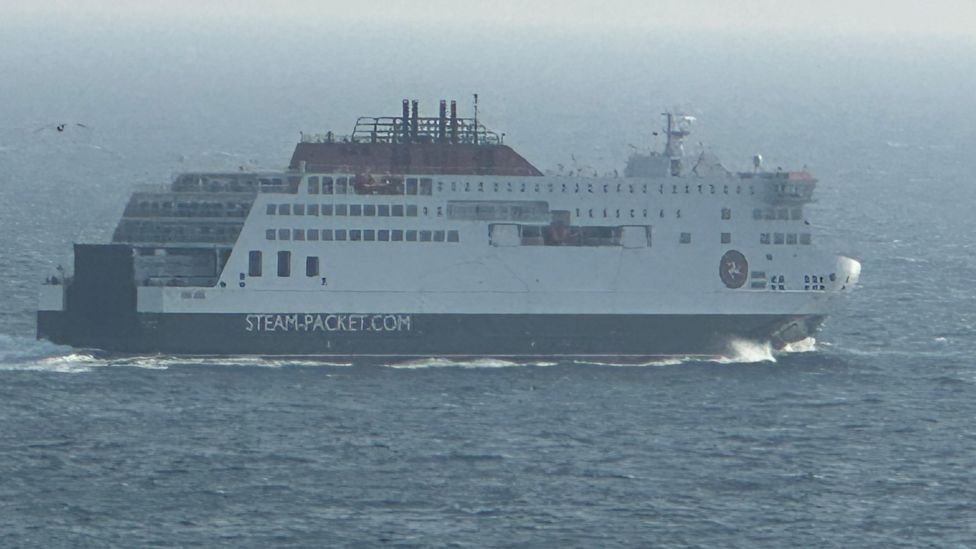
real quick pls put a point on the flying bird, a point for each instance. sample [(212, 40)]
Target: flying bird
[(61, 127)]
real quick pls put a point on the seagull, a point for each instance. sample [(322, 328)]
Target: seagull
[(61, 127)]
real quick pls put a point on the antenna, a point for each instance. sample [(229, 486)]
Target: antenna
[(475, 119)]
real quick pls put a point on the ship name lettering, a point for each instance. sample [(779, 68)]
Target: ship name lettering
[(327, 323)]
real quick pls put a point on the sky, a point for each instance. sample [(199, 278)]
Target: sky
[(955, 18)]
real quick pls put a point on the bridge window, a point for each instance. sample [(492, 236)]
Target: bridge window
[(426, 186), (269, 234), (397, 210), (340, 185), (312, 234), (254, 263), (299, 209), (411, 185), (313, 185), (326, 185), (383, 210), (284, 234), (313, 209), (369, 210), (284, 209), (396, 235), (355, 210), (284, 263), (272, 208), (340, 234), (452, 236), (326, 209), (312, 266)]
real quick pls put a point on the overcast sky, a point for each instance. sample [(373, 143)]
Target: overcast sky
[(943, 17)]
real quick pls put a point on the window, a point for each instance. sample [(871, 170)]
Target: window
[(355, 210), (272, 209), (298, 234), (726, 238), (796, 214), (411, 186), (326, 185), (284, 263), (326, 209), (805, 238), (411, 211), (426, 186), (383, 235), (425, 236), (369, 210), (340, 185), (313, 185), (313, 209), (369, 235), (383, 210), (778, 238), (452, 236), (764, 238), (397, 210), (311, 266), (269, 234), (312, 234), (284, 209), (411, 236), (726, 213), (327, 234), (340, 209), (438, 236), (782, 214), (355, 235), (254, 263), (791, 238), (284, 234), (340, 234), (685, 238), (299, 209), (396, 235)]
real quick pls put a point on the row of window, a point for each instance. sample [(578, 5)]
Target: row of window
[(352, 210), (785, 238), (255, 264), (781, 214), (366, 235), (424, 186)]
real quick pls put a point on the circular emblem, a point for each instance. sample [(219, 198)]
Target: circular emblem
[(734, 269)]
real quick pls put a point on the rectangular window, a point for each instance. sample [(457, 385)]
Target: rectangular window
[(312, 234), (269, 234), (313, 185), (284, 263), (272, 209), (726, 238), (764, 238), (327, 234), (805, 238), (397, 210), (411, 236), (313, 209), (425, 236), (685, 238), (778, 238), (355, 235), (311, 266), (355, 210), (383, 210), (299, 209), (326, 185), (438, 236), (411, 211), (411, 186), (452, 236), (796, 214), (340, 234), (284, 209), (369, 235), (254, 263), (383, 235), (426, 186), (782, 214), (340, 209), (769, 214), (726, 213), (369, 210), (326, 209), (340, 185), (396, 235), (284, 234), (298, 234), (791, 238)]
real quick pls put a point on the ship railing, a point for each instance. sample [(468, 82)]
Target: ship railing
[(397, 130)]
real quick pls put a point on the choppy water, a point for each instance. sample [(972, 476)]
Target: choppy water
[(864, 439)]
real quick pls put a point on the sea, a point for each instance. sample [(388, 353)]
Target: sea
[(864, 437)]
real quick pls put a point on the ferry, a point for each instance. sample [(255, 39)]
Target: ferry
[(428, 236)]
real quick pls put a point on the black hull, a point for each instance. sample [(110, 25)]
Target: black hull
[(518, 337)]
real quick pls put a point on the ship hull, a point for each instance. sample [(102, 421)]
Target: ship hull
[(623, 338)]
